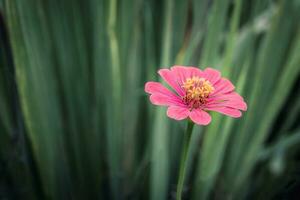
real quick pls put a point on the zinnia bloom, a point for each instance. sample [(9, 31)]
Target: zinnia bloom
[(195, 93)]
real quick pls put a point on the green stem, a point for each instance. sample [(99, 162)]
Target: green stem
[(183, 161)]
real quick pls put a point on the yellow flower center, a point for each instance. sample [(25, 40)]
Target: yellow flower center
[(196, 91)]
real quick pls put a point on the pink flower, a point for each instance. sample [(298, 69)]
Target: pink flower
[(195, 93)]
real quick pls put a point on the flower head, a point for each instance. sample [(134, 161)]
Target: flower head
[(195, 93)]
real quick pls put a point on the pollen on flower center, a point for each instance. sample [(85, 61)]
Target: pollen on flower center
[(196, 91)]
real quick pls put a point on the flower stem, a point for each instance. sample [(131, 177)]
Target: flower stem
[(183, 161)]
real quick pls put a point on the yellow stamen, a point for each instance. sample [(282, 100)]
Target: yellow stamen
[(196, 91)]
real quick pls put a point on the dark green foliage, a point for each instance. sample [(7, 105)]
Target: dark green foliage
[(75, 122)]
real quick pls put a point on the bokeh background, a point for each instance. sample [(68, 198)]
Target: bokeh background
[(75, 122)]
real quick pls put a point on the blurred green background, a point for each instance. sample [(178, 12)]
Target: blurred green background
[(75, 122)]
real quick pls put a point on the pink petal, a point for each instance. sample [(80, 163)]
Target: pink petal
[(200, 117), (236, 104), (178, 113), (171, 79), (160, 100), (212, 75), (226, 97), (227, 111), (161, 95), (194, 71), (156, 87), (223, 86), (183, 72)]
